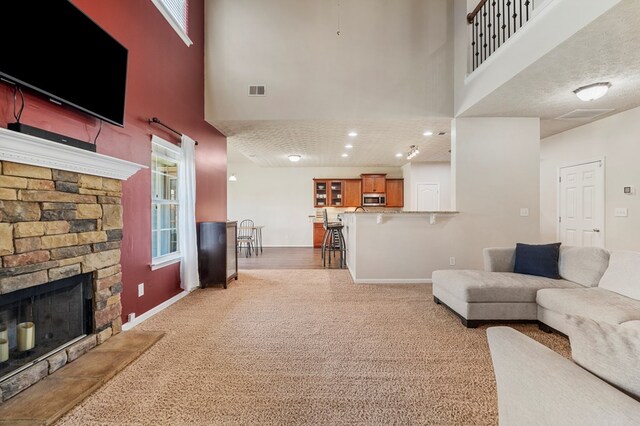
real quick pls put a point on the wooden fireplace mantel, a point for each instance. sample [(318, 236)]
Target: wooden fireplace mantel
[(26, 149)]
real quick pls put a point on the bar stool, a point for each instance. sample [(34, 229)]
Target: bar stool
[(333, 241)]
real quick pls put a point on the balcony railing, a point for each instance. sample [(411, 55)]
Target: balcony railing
[(493, 22)]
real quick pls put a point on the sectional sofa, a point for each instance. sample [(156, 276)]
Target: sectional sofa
[(594, 283)]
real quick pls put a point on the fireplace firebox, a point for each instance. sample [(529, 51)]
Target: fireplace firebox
[(37, 321)]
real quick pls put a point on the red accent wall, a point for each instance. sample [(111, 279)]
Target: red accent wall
[(165, 79)]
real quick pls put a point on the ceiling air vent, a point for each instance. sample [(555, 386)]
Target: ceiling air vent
[(257, 90), (584, 114)]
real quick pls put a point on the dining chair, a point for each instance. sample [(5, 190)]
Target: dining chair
[(246, 236)]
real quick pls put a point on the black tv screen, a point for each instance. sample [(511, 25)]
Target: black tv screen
[(53, 48)]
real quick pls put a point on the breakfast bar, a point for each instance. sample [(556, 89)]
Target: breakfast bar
[(389, 247)]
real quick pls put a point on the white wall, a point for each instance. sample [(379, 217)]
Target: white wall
[(400, 51), (497, 172), (427, 172), (529, 44), (617, 139), (281, 198)]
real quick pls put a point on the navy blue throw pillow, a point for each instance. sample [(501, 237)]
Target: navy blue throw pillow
[(540, 260)]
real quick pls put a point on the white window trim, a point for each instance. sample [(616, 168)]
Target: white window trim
[(172, 21), (175, 257), (162, 261)]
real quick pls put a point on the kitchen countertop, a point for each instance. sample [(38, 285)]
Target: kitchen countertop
[(405, 212)]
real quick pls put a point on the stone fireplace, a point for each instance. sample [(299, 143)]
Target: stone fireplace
[(60, 232)]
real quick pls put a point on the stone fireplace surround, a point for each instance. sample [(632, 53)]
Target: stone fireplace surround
[(60, 216)]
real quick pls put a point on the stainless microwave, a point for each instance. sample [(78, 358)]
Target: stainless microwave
[(370, 200)]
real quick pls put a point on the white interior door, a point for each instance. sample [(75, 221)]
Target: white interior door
[(428, 197), (582, 205)]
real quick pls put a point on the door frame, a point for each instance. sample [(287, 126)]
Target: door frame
[(416, 192), (603, 181)]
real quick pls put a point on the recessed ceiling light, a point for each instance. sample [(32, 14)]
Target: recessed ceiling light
[(353, 134), (592, 91), (399, 155), (345, 155), (427, 133), (295, 157), (348, 146), (232, 178)]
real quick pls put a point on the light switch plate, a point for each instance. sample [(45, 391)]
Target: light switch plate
[(524, 212), (621, 212)]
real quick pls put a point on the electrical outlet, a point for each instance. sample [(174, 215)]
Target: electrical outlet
[(452, 261), (524, 212), (140, 289)]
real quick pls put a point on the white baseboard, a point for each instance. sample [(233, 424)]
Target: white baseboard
[(164, 305), (389, 281), (394, 281)]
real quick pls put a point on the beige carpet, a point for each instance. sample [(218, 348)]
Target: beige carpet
[(305, 347)]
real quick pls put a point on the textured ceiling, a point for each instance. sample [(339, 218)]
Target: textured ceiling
[(608, 49), (321, 144)]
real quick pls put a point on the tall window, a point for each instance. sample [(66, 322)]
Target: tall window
[(177, 13), (165, 161)]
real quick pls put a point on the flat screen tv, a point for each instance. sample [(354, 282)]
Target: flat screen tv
[(53, 48)]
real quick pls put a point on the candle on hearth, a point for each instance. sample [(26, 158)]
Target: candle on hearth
[(4, 333), (4, 350), (26, 336)]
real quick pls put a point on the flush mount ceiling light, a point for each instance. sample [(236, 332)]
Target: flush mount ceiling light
[(348, 146), (413, 151), (295, 157), (353, 134), (232, 178), (592, 91), (428, 133), (399, 155)]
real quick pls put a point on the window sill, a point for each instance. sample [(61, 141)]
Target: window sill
[(161, 262)]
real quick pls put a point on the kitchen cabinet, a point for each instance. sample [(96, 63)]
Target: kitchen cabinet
[(373, 183), (318, 232), (328, 192), (352, 192), (217, 252), (395, 192)]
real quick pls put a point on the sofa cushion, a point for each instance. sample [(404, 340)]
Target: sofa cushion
[(609, 351), (583, 265), (623, 274), (537, 259), (596, 303), (473, 285), (635, 324)]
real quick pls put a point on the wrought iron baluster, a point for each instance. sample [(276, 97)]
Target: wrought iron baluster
[(484, 30), (508, 19), (515, 16), (520, 13), (504, 25), (493, 24), (474, 42)]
